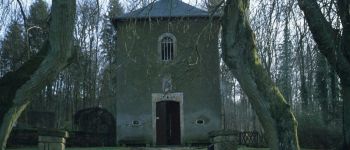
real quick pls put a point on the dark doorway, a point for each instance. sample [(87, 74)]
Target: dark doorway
[(168, 123)]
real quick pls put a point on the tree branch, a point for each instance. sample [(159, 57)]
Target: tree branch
[(22, 12), (322, 31), (14, 80), (343, 11)]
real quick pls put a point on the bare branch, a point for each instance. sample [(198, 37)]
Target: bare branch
[(322, 31), (22, 12)]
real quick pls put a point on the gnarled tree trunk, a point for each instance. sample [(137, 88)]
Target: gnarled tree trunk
[(335, 46), (40, 70), (240, 55)]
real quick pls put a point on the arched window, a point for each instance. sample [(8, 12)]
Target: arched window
[(167, 46)]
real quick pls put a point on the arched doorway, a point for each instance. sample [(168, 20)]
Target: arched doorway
[(95, 127)]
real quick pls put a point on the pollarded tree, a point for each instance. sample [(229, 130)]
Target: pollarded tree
[(17, 87), (335, 46), (240, 55)]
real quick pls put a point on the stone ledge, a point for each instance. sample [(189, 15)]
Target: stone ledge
[(223, 133), (225, 138), (53, 133), (50, 139)]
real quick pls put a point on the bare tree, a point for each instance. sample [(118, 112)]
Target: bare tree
[(240, 55), (17, 87), (335, 46)]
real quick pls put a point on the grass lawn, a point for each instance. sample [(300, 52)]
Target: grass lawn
[(111, 148), (78, 148)]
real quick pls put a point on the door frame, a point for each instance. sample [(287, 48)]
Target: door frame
[(158, 97)]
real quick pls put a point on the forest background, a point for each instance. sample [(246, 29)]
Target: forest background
[(286, 48)]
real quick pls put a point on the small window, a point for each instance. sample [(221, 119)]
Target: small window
[(135, 122), (200, 122), (167, 46)]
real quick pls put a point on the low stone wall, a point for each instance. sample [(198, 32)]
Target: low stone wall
[(29, 138), (23, 138), (52, 139), (224, 140), (86, 139)]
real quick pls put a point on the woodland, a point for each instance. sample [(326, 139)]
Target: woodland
[(285, 64)]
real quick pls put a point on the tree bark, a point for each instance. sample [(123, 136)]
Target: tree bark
[(346, 114), (60, 51), (240, 55), (8, 84), (335, 46)]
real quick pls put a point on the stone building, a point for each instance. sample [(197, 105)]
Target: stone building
[(168, 75)]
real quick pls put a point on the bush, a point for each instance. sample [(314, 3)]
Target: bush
[(314, 133)]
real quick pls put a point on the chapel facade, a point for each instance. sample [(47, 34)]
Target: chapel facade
[(168, 89)]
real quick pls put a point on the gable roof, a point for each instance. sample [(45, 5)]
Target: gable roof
[(165, 9)]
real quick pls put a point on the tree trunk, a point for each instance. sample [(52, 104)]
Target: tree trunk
[(346, 113), (59, 53), (335, 46), (321, 90), (8, 83), (303, 87), (8, 121), (240, 55), (334, 96)]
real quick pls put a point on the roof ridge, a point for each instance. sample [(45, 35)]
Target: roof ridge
[(165, 8)]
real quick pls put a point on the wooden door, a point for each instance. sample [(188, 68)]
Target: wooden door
[(168, 123)]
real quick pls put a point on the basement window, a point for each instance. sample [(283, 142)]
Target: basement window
[(135, 123), (200, 122)]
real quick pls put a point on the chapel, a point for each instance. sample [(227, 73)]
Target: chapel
[(168, 88)]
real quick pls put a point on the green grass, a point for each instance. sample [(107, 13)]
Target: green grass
[(99, 148), (126, 148), (77, 148)]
